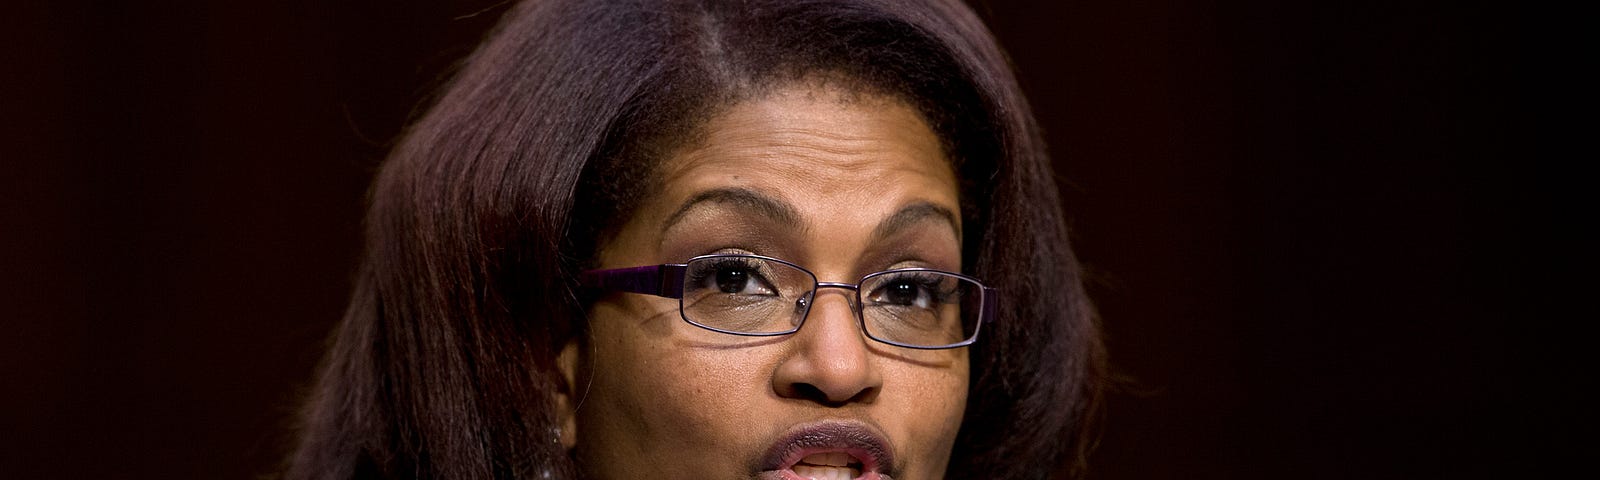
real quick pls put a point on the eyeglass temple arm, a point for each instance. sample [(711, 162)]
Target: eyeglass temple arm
[(659, 280), (991, 304)]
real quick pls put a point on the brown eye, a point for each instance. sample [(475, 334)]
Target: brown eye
[(901, 293), (732, 280), (916, 290), (731, 276)]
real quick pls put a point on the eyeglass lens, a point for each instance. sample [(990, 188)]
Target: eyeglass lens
[(756, 296)]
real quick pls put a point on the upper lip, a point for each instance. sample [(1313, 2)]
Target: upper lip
[(858, 439)]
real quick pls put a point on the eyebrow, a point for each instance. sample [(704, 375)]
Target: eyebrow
[(781, 212), (914, 213), (771, 208)]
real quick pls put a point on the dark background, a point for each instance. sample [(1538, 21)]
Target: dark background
[(1307, 225)]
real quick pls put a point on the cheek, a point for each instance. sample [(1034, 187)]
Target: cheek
[(930, 403), (658, 406)]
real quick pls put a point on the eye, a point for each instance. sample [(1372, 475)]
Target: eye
[(903, 293), (733, 280), (732, 276), (908, 290)]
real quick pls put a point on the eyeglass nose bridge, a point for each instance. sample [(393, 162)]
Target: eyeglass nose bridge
[(805, 302), (847, 286)]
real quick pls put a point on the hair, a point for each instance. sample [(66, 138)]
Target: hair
[(444, 365)]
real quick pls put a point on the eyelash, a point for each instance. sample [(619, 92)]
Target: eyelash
[(899, 262), (733, 249)]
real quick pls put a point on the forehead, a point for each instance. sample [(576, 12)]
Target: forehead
[(806, 119), (806, 174), (808, 143)]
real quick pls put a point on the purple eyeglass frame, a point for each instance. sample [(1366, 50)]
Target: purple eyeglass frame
[(666, 280)]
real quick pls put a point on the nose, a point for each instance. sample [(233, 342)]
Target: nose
[(829, 361)]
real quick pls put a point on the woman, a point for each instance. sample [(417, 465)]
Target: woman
[(692, 239)]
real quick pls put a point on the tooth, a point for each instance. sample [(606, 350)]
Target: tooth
[(832, 459), (824, 473), (839, 459), (804, 472)]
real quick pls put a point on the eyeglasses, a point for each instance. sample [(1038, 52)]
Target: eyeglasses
[(753, 295)]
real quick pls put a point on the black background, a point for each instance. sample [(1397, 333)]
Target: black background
[(1307, 223)]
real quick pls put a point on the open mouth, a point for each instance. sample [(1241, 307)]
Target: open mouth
[(830, 451), (828, 466)]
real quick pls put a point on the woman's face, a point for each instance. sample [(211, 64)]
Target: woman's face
[(841, 184)]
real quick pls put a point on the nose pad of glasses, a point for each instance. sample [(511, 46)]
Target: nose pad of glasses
[(801, 306)]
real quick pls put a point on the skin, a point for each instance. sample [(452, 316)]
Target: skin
[(655, 397)]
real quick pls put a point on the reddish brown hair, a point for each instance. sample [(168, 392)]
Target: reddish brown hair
[(444, 363)]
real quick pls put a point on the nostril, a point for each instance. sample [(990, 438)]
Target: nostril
[(810, 392), (814, 393)]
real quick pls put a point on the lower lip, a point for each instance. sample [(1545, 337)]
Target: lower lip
[(787, 474)]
